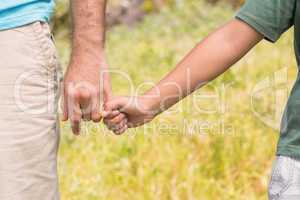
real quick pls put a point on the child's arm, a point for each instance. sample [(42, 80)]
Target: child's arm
[(213, 56)]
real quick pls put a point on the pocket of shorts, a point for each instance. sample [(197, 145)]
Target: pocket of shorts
[(45, 47), (47, 56), (282, 176)]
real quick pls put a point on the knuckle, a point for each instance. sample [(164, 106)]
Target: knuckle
[(85, 94), (76, 95)]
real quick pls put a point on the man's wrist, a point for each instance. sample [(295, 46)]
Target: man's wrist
[(88, 59), (88, 51)]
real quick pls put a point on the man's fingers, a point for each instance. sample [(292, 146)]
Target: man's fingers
[(96, 116), (71, 108), (95, 113), (65, 106), (75, 124), (85, 103), (74, 111)]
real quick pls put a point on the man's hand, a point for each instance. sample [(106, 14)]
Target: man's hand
[(83, 91), (87, 79)]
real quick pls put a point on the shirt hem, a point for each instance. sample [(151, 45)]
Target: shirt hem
[(23, 20), (288, 151)]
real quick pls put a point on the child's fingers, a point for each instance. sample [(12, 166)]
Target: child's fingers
[(115, 120), (122, 124), (115, 104), (121, 131), (110, 114), (117, 126), (122, 127)]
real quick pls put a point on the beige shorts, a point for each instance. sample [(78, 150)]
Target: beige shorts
[(29, 135)]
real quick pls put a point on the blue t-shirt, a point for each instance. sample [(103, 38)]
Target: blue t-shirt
[(15, 13)]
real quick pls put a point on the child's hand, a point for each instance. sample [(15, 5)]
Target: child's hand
[(135, 108), (116, 121)]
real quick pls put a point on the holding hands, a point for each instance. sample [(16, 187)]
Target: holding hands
[(201, 65), (122, 113)]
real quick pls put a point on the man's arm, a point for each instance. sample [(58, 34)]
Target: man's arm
[(210, 58), (88, 68)]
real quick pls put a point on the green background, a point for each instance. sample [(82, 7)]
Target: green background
[(229, 157)]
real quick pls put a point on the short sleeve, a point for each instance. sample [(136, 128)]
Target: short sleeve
[(271, 18)]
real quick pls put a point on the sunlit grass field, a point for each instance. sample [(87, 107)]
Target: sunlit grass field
[(224, 152)]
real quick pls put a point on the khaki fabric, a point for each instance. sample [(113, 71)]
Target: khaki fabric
[(29, 135), (285, 179)]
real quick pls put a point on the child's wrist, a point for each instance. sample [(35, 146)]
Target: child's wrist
[(151, 104)]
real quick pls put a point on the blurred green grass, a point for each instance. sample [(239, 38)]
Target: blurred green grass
[(229, 159)]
